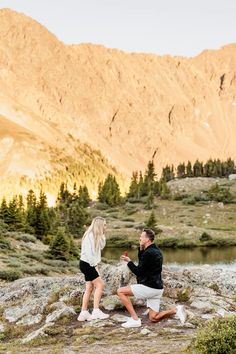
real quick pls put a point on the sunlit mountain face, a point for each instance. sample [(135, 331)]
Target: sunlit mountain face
[(76, 113)]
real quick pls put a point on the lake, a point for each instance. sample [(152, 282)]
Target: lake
[(183, 256)]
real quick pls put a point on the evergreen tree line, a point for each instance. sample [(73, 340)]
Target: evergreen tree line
[(212, 168), (147, 186), (35, 217)]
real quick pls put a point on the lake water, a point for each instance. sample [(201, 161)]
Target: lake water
[(182, 256)]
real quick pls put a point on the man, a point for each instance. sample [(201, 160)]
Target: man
[(150, 285)]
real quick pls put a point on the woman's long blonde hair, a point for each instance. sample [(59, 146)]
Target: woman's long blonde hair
[(97, 229)]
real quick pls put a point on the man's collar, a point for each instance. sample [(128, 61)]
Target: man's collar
[(151, 245)]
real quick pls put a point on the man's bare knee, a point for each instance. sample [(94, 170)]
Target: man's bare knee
[(120, 292)]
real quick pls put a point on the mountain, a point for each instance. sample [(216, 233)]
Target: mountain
[(81, 111)]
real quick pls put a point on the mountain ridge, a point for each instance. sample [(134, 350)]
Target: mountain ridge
[(131, 106)]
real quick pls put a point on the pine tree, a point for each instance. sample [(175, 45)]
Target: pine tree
[(189, 171), (150, 200), (149, 179), (61, 245), (31, 216), (168, 173), (134, 186), (230, 166), (141, 185), (64, 196), (165, 192), (181, 170), (42, 224), (198, 169), (4, 213), (74, 252), (109, 192), (15, 220), (77, 219), (84, 198)]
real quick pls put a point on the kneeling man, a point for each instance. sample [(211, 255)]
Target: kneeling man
[(150, 285)]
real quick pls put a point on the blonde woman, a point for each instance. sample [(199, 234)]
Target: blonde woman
[(93, 242)]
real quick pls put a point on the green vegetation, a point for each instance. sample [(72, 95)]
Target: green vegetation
[(218, 336), (212, 168), (182, 218), (109, 192)]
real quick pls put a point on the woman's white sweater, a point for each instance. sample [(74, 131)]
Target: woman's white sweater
[(88, 252)]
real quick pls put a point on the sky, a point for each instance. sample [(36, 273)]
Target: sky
[(175, 27)]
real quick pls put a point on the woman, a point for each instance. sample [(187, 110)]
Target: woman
[(93, 242)]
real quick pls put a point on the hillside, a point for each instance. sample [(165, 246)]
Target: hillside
[(59, 103)]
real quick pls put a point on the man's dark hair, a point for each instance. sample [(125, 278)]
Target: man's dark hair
[(150, 234)]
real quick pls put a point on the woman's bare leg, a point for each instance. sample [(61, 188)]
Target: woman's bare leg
[(98, 283), (87, 294)]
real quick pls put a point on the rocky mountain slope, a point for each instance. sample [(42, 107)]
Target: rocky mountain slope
[(59, 103), (39, 313)]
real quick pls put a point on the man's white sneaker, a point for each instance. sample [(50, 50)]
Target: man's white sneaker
[(84, 316), (132, 323), (181, 313), (97, 314)]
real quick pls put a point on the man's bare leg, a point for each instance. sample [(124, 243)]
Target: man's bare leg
[(124, 294), (158, 316)]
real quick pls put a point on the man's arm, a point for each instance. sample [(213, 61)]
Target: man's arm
[(142, 267)]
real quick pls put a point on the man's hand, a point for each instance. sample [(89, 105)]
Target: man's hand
[(125, 258)]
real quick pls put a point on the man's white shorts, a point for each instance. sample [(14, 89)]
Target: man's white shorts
[(153, 296)]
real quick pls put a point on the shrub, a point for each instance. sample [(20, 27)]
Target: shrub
[(215, 287), (189, 200), (119, 242), (10, 275), (37, 269), (179, 196), (184, 295), (128, 219), (205, 237), (217, 337), (3, 227), (5, 244), (25, 237)]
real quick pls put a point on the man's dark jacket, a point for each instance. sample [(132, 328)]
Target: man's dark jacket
[(148, 270)]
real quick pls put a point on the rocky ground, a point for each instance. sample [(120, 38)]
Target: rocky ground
[(39, 314)]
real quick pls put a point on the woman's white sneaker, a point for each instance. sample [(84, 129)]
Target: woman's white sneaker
[(132, 323), (97, 314), (84, 316)]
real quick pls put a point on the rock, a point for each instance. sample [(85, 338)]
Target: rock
[(232, 177), (204, 306), (30, 306), (145, 331), (2, 328), (45, 295), (38, 333), (119, 318), (66, 311), (99, 323), (112, 302), (29, 320)]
